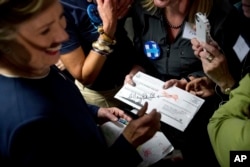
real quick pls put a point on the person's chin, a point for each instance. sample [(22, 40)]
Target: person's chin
[(161, 3), (247, 13)]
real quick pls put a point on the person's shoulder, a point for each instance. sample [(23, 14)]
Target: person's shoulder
[(245, 81), (74, 3)]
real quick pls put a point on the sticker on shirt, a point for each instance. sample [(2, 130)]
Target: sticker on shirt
[(152, 50), (93, 14), (241, 48), (189, 31)]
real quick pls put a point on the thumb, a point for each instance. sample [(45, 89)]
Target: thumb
[(143, 110)]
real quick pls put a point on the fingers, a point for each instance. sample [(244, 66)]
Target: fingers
[(169, 83), (195, 42), (196, 47), (123, 115), (143, 110), (129, 80), (110, 115), (193, 85), (144, 127), (212, 48), (153, 113), (107, 10), (199, 93), (123, 7), (153, 117), (115, 113), (175, 82), (201, 87), (156, 116), (209, 58)]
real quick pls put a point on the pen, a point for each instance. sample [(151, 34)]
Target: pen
[(123, 121)]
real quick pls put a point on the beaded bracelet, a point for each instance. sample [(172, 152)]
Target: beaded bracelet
[(103, 42), (101, 48), (100, 52), (105, 37)]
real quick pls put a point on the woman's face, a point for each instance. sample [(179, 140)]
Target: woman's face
[(39, 39), (246, 7)]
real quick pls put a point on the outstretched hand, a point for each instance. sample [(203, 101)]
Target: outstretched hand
[(111, 114), (202, 87), (142, 129), (214, 63)]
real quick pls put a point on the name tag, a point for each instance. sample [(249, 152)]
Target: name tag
[(241, 48)]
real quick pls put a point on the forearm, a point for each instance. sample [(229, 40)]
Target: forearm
[(91, 68), (83, 68)]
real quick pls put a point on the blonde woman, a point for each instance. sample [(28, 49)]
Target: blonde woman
[(44, 119)]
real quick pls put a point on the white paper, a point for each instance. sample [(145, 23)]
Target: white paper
[(151, 151), (177, 106)]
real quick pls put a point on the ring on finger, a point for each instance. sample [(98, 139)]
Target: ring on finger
[(210, 58)]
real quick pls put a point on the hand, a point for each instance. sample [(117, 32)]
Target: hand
[(216, 68), (107, 10), (202, 87), (142, 129), (111, 114), (129, 80), (175, 82), (197, 48), (123, 7), (129, 77)]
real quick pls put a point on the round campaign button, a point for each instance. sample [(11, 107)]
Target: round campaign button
[(93, 14), (152, 50)]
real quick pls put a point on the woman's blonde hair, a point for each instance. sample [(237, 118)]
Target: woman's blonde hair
[(203, 6), (14, 12)]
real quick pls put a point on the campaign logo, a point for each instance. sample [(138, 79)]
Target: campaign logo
[(152, 50)]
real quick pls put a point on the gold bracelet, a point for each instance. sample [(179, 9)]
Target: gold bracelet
[(105, 37)]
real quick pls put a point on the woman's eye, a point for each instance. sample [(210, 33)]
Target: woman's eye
[(45, 32)]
